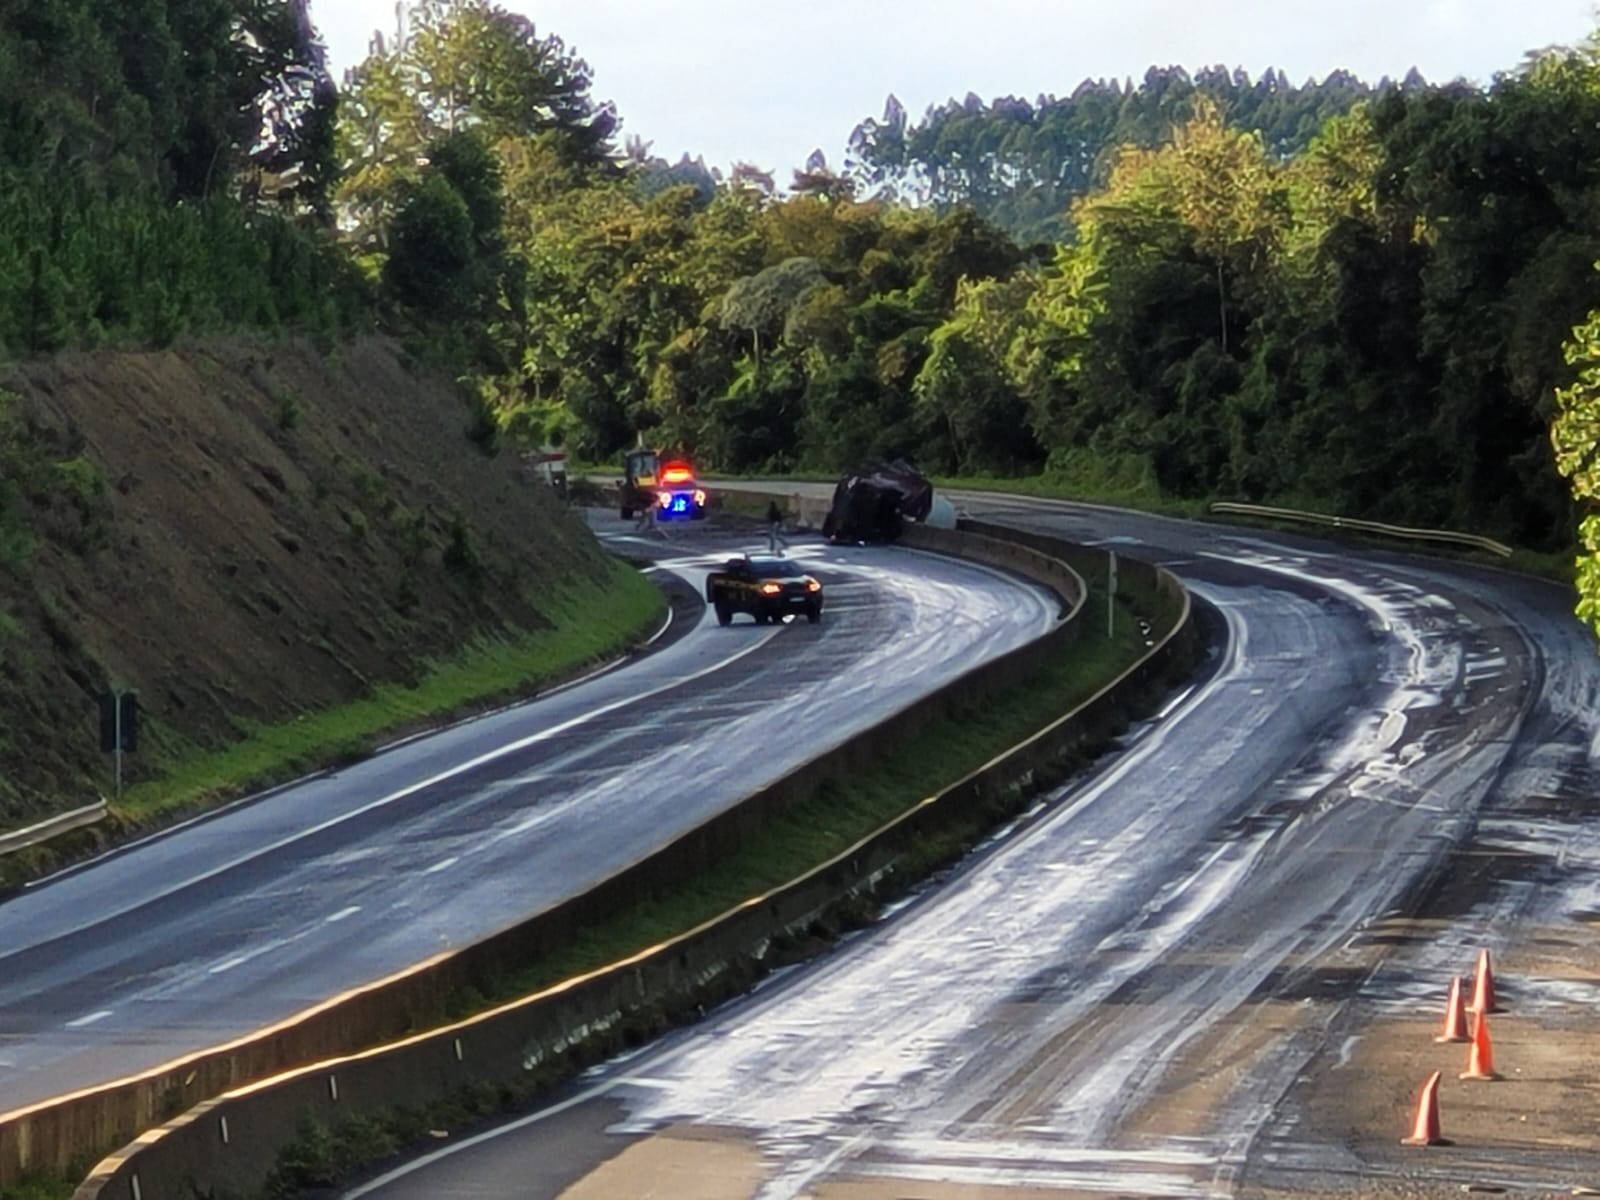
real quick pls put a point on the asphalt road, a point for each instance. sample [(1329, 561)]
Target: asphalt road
[(236, 922), (1120, 997)]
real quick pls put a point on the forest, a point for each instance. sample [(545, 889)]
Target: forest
[(1367, 299)]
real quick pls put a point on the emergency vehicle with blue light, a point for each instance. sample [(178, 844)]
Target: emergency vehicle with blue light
[(668, 488)]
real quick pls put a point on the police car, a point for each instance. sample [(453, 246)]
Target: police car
[(767, 586)]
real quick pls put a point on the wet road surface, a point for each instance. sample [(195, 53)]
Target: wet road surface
[(1119, 998), (242, 920)]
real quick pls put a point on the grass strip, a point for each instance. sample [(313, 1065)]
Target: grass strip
[(837, 817), (842, 814), (43, 1186), (588, 624)]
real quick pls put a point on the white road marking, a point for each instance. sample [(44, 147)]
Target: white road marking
[(90, 1019), (1179, 698), (417, 1164), (460, 769), (578, 681), (342, 914)]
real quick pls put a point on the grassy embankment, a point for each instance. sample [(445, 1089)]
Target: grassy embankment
[(843, 813), (811, 834), (814, 832), (588, 625)]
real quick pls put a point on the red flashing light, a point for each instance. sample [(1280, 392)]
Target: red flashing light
[(676, 472)]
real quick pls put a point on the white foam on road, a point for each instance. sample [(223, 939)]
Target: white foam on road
[(909, 1039)]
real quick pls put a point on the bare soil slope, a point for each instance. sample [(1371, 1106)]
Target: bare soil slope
[(243, 532)]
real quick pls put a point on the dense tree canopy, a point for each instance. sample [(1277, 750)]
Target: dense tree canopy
[(1338, 295), (1331, 294), (460, 66), (1020, 164), (173, 98), (165, 166)]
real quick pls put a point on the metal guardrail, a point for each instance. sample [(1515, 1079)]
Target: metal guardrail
[(1446, 536), (230, 1139), (21, 839), (54, 1134)]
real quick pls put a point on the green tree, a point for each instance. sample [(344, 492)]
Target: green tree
[(966, 397), (465, 65), (1575, 436), (432, 248), (761, 303)]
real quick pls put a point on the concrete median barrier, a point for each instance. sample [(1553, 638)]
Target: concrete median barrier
[(214, 1122)]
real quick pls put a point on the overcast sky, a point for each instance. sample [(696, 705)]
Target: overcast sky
[(765, 82)]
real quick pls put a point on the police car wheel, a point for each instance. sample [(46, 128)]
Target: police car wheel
[(724, 614)]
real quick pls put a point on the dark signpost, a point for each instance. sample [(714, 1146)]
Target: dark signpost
[(119, 726)]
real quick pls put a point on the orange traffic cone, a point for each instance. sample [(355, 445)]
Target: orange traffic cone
[(1425, 1131), (1483, 987), (1455, 1016), (1480, 1059)]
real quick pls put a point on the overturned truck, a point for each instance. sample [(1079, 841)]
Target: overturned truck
[(872, 502)]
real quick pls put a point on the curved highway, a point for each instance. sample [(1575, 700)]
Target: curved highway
[(1122, 998), (241, 920)]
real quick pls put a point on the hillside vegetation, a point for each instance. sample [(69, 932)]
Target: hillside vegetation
[(270, 336), (248, 533), (1330, 295), (1020, 164), (218, 486)]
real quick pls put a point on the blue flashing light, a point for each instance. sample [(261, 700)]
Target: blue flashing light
[(676, 505)]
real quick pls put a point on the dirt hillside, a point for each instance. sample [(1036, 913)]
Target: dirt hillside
[(243, 532)]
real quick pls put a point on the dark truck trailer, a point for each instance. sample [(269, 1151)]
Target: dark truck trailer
[(873, 500)]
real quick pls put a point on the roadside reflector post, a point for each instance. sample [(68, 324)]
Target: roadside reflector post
[(1111, 599)]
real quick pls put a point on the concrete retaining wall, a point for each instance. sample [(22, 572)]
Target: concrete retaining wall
[(228, 1143)]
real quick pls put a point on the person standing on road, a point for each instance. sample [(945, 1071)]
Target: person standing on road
[(775, 527)]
